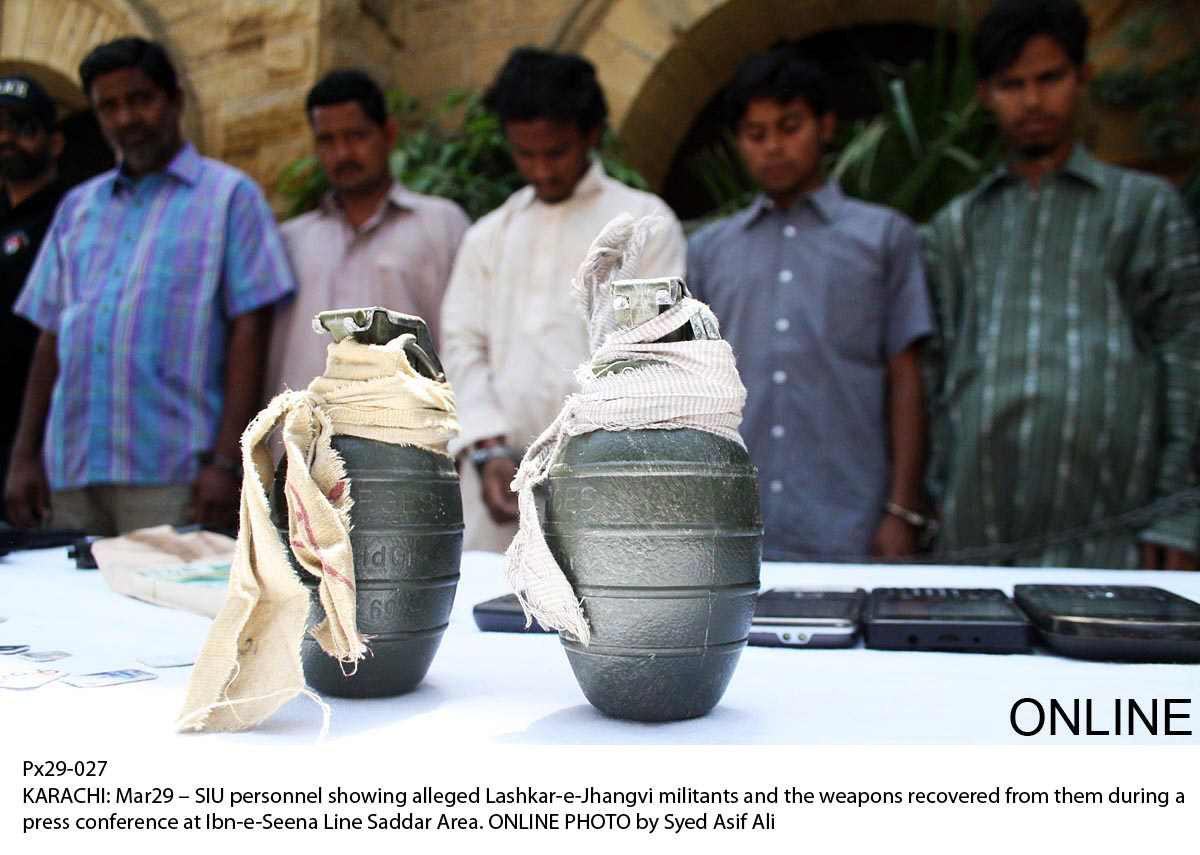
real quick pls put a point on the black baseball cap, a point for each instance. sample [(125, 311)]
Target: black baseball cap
[(22, 92)]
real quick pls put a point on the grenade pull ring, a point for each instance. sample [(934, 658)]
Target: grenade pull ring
[(420, 360)]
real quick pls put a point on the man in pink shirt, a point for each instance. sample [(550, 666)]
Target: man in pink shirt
[(370, 242)]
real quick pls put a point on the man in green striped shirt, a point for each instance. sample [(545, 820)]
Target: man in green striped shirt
[(1066, 377)]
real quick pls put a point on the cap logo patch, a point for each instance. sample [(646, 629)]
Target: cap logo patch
[(16, 88), (15, 242)]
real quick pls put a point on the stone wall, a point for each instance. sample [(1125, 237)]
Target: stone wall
[(247, 64)]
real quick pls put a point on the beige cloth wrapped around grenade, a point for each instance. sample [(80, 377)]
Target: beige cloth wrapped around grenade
[(250, 663)]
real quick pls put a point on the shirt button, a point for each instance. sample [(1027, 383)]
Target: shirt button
[(789, 231), (776, 486), (779, 377), (777, 431), (785, 276), (101, 349), (782, 324)]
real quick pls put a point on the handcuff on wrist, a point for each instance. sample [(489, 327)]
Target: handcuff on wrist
[(913, 518), (480, 456)]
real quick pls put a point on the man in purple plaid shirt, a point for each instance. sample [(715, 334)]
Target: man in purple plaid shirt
[(153, 290)]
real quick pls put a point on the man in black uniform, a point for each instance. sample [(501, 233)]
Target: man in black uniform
[(30, 144)]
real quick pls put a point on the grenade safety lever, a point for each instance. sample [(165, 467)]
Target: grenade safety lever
[(636, 301), (377, 325)]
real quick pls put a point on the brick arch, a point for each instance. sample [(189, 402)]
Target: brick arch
[(49, 38), (661, 61)]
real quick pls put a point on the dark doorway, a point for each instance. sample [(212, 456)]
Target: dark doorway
[(85, 153), (847, 56)]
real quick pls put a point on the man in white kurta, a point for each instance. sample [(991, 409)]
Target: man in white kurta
[(513, 332)]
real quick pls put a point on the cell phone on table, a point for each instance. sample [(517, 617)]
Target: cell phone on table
[(1132, 623), (968, 620), (504, 614), (807, 617)]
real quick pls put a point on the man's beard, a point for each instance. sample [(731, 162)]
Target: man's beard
[(17, 164), (152, 150), (146, 155), (1035, 152)]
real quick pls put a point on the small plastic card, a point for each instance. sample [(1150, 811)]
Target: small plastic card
[(109, 678), (169, 660), (29, 679)]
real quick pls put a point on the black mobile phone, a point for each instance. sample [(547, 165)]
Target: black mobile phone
[(974, 620), (16, 539), (1134, 623), (807, 617), (504, 614)]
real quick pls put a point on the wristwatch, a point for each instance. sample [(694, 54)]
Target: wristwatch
[(233, 467), (913, 518), (480, 456)]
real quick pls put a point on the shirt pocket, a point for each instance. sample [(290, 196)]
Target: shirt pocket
[(856, 312), (183, 269)]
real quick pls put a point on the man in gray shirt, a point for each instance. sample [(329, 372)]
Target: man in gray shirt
[(823, 299)]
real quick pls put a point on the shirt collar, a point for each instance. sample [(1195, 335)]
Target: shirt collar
[(398, 197), (824, 201), (590, 184), (185, 166), (1079, 165), (1082, 165), (48, 195)]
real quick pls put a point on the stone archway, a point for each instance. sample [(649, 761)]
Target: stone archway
[(49, 38), (57, 34), (661, 61)]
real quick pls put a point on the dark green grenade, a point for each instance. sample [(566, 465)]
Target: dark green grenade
[(660, 534), (406, 538)]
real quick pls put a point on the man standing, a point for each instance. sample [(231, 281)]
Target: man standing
[(514, 333), (371, 242), (153, 291), (823, 300), (30, 145), (1068, 293)]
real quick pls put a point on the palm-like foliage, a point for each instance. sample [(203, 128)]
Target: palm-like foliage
[(930, 142)]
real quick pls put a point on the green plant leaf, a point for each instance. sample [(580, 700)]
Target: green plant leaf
[(904, 116)]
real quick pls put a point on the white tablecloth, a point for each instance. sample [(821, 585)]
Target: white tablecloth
[(508, 688)]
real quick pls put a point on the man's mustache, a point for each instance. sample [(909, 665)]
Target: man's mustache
[(134, 133)]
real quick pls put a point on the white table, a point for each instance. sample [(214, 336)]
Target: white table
[(499, 688)]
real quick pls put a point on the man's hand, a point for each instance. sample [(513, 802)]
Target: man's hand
[(497, 475), (1155, 557), (894, 538), (26, 490), (215, 498), (26, 493)]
